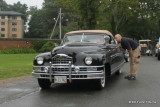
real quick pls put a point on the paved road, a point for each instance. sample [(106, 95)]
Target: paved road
[(144, 92)]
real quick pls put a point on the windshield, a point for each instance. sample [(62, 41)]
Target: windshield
[(84, 38)]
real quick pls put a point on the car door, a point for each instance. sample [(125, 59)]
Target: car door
[(116, 55)]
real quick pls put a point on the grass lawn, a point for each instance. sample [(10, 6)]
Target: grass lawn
[(14, 65)]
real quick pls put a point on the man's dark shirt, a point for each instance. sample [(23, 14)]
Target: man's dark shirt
[(128, 43)]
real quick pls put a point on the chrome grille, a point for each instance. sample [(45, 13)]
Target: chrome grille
[(61, 69), (61, 59), (66, 69)]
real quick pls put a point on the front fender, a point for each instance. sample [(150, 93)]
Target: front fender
[(46, 56)]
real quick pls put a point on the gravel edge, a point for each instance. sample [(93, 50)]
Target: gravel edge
[(6, 82)]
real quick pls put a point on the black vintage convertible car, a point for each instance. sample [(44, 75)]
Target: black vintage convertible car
[(82, 55)]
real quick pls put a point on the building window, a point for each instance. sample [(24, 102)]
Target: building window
[(2, 29), (14, 17), (14, 29), (14, 35), (2, 35), (2, 17), (14, 23), (2, 23), (9, 17)]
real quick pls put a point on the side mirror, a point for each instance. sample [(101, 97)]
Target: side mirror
[(107, 39)]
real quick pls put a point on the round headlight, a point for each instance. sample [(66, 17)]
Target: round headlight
[(88, 60), (40, 60)]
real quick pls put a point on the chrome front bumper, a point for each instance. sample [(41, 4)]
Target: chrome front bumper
[(70, 71)]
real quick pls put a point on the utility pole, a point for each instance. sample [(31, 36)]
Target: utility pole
[(60, 24), (54, 27)]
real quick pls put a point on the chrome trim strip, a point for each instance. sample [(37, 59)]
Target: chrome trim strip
[(78, 78), (70, 72), (116, 68), (79, 72), (71, 66), (60, 64), (50, 72), (88, 76), (63, 74), (61, 55)]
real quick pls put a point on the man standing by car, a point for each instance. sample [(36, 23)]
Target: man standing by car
[(134, 53)]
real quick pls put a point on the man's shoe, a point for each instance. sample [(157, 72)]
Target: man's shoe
[(127, 77), (130, 77)]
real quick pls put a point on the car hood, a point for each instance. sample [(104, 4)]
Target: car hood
[(79, 53), (75, 50)]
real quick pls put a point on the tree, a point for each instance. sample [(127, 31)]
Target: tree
[(3, 5), (88, 13), (139, 19), (36, 25), (18, 7)]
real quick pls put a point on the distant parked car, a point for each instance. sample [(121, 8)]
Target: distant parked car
[(157, 53), (146, 47), (82, 55)]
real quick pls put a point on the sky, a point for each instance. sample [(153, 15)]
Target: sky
[(29, 3)]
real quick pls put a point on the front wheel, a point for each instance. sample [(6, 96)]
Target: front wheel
[(155, 55), (158, 57), (44, 83), (118, 72), (100, 83)]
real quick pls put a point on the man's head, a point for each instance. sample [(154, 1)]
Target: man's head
[(118, 37)]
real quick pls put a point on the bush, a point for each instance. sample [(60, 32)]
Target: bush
[(47, 47), (37, 45), (17, 51)]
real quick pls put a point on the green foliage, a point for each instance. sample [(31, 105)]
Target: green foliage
[(17, 51), (36, 25), (18, 7), (47, 47), (3, 5), (37, 45), (42, 21), (139, 19), (88, 10)]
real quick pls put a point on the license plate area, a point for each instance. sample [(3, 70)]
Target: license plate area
[(60, 79)]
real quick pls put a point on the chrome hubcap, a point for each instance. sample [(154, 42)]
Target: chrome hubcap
[(103, 79)]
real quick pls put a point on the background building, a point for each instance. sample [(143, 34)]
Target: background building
[(11, 24)]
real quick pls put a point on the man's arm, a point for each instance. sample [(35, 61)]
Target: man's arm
[(120, 47)]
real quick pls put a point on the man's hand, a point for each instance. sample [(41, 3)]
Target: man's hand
[(119, 45)]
